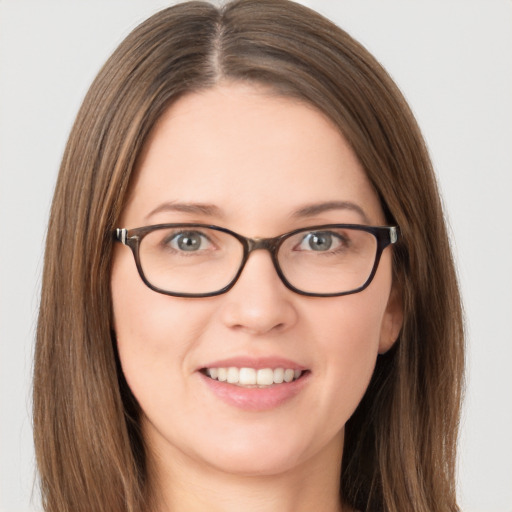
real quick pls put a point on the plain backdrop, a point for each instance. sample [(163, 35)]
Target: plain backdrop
[(452, 59)]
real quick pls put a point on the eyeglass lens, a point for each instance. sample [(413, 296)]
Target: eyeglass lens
[(202, 260)]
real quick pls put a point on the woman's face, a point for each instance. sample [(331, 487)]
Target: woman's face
[(239, 157)]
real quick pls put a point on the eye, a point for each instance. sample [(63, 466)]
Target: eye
[(320, 241), (189, 241)]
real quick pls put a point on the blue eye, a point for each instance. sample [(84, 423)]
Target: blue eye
[(320, 241), (189, 241)]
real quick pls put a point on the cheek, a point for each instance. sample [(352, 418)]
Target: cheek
[(353, 323), (350, 345), (349, 330), (153, 340)]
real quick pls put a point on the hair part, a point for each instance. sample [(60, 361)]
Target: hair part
[(400, 443)]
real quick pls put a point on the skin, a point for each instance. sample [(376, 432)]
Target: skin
[(257, 157)]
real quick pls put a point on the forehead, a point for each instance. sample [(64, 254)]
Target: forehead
[(248, 152)]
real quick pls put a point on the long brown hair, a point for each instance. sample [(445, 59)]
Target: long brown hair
[(400, 443)]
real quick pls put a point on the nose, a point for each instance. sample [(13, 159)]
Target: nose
[(259, 303)]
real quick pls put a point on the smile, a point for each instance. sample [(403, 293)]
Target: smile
[(252, 377)]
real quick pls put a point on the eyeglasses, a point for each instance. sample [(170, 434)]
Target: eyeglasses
[(197, 260)]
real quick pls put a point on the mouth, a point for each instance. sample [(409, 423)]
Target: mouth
[(247, 377), (255, 384)]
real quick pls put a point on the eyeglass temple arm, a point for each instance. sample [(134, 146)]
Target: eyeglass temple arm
[(121, 235), (393, 234)]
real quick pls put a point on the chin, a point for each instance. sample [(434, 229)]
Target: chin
[(264, 453), (250, 464)]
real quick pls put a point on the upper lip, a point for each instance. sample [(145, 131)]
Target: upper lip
[(255, 362)]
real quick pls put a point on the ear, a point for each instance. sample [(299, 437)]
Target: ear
[(392, 321)]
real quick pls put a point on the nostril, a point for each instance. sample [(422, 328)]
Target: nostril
[(257, 315)]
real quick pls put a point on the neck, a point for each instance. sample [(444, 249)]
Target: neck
[(181, 484)]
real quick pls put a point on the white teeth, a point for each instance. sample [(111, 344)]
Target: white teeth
[(222, 374), (233, 375), (278, 375), (288, 375), (251, 377), (247, 377), (265, 377)]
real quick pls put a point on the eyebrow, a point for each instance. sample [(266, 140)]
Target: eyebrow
[(191, 208), (318, 208), (214, 211)]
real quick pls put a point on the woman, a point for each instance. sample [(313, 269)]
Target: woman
[(184, 363)]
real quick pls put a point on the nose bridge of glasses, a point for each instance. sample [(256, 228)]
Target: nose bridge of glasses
[(266, 244)]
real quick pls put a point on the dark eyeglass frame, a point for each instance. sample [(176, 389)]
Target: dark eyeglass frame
[(385, 235)]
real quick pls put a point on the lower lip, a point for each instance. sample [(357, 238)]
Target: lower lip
[(256, 399)]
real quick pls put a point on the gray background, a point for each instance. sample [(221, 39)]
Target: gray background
[(452, 59)]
